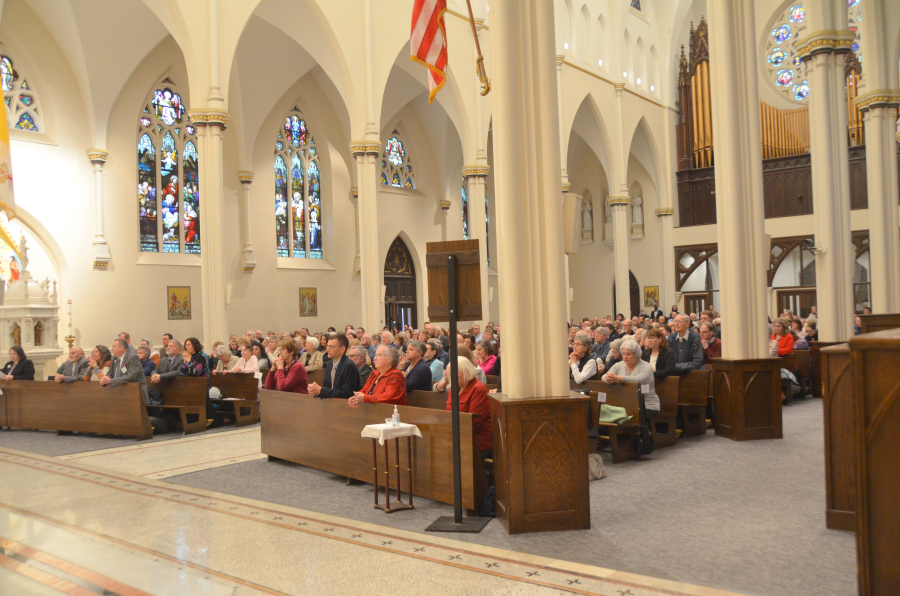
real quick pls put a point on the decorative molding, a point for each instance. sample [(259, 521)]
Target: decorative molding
[(825, 41), (560, 58), (663, 211), (618, 200), (566, 187), (98, 155), (363, 148), (245, 177), (478, 171), (209, 118), (618, 86), (878, 98), (445, 204), (100, 264), (354, 192)]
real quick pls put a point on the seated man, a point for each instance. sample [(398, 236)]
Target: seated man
[(706, 317), (74, 368), (341, 373), (170, 366), (358, 355), (685, 344), (627, 328), (126, 368), (601, 343), (367, 344), (147, 363), (712, 346), (127, 337)]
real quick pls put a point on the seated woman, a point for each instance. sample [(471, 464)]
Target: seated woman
[(154, 357), (418, 373), (464, 352), (234, 347), (386, 384), (99, 363), (226, 362), (582, 366), (634, 370), (262, 359), (247, 363), (658, 354), (19, 368), (312, 357), (195, 363), (473, 398), (782, 334), (484, 351), (615, 353), (433, 348), (146, 359), (288, 373)]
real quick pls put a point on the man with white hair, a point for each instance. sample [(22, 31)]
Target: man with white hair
[(366, 340), (685, 344), (74, 368)]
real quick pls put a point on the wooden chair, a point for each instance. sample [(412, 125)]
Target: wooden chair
[(663, 425), (622, 437), (693, 395)]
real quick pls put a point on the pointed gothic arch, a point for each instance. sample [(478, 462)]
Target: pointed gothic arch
[(400, 302)]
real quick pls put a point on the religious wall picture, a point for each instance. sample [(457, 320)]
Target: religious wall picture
[(651, 296), (178, 302), (309, 305)]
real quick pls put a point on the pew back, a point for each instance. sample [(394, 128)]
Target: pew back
[(187, 395), (235, 385), (77, 407), (693, 388), (623, 395), (434, 400), (325, 434), (316, 376)]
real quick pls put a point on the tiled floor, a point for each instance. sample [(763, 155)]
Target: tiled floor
[(82, 526)]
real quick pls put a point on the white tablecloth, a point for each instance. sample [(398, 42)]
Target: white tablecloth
[(383, 432)]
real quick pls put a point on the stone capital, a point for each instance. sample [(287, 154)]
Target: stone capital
[(878, 98), (664, 211), (209, 118), (245, 177), (618, 200), (479, 171), (826, 41), (358, 148), (98, 156)]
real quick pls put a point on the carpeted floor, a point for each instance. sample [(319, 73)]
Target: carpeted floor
[(747, 517), (47, 442)]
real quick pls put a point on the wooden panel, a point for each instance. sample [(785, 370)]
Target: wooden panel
[(787, 186), (663, 424), (434, 400), (693, 395), (874, 359), (77, 407), (882, 322), (696, 197), (316, 376), (468, 283), (859, 192), (540, 455), (3, 411), (325, 434), (748, 398), (815, 369), (840, 457), (236, 385), (187, 395)]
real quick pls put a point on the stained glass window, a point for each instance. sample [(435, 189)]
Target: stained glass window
[(22, 109), (298, 234), (396, 166), (855, 25), (636, 4), (786, 70), (168, 182), (465, 210)]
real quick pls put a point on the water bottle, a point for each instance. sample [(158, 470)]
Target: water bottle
[(395, 419)]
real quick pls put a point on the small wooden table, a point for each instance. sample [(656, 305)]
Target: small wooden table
[(382, 433)]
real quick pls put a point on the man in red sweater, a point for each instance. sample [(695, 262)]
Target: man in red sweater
[(712, 346)]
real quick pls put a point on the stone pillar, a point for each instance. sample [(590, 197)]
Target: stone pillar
[(618, 205), (667, 286), (880, 116), (247, 253), (529, 202), (370, 266), (445, 223), (210, 127), (101, 248), (743, 258), (563, 149), (824, 52), (475, 187)]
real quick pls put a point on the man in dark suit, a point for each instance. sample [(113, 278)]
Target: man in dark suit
[(341, 374), (170, 366), (685, 344), (655, 314), (125, 368)]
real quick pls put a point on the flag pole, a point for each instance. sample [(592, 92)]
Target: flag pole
[(479, 62)]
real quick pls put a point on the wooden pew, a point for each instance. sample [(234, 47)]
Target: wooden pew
[(840, 454), (879, 322), (187, 396), (242, 387), (434, 400), (663, 425), (693, 394), (493, 379), (77, 407), (622, 437), (316, 376), (325, 434), (802, 371)]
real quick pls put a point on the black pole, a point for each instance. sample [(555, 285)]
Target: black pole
[(454, 391)]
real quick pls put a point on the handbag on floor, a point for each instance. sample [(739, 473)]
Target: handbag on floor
[(644, 435), (596, 471)]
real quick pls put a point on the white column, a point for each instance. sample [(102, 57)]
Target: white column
[(824, 52), (563, 150), (667, 286), (210, 126), (246, 179), (880, 114), (475, 187), (743, 259), (370, 268), (98, 157), (528, 198), (618, 202)]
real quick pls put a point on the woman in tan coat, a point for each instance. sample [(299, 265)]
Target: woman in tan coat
[(311, 359)]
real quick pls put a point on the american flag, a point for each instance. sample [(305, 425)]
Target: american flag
[(428, 42)]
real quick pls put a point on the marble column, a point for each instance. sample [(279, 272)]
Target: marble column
[(102, 257), (667, 286), (247, 254), (210, 127), (618, 205), (528, 199), (743, 259), (563, 149), (824, 51), (370, 265), (475, 187)]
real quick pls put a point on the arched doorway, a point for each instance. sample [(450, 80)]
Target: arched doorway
[(634, 292), (400, 281)]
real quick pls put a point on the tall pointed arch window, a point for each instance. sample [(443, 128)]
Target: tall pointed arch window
[(168, 174), (298, 192), (487, 227), (465, 210), (396, 166), (23, 110)]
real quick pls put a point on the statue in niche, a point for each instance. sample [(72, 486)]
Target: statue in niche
[(587, 217), (637, 211), (16, 335), (608, 210), (38, 333), (24, 250)]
